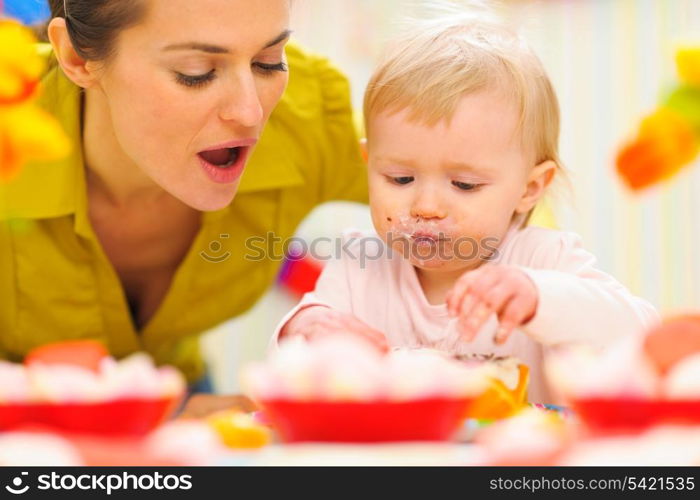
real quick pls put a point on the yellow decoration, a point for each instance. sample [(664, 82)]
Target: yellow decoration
[(688, 65), (665, 143), (239, 430), (669, 137), (27, 133), (21, 66), (500, 402)]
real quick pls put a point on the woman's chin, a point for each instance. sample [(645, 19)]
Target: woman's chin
[(208, 199)]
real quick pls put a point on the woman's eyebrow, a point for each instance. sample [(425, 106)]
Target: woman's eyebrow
[(282, 36), (217, 49)]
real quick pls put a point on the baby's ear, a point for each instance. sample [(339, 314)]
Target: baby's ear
[(363, 149), (80, 71), (539, 178)]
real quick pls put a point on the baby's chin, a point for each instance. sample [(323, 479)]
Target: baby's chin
[(430, 257), (444, 265)]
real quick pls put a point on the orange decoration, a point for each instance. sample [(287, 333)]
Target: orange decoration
[(673, 340), (500, 402), (84, 353), (239, 430), (665, 143)]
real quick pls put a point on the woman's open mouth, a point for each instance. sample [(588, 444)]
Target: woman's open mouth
[(222, 158), (225, 164)]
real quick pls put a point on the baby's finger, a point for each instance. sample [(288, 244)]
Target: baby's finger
[(467, 305), (498, 296), (466, 310), (479, 316), (488, 277), (475, 309), (472, 323), (456, 295), (519, 310), (380, 341), (503, 332), (513, 314), (377, 338)]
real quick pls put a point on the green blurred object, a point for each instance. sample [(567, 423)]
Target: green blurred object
[(685, 101)]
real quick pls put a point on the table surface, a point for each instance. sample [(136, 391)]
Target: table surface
[(395, 454)]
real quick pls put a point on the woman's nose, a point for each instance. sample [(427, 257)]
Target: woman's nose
[(241, 104), (428, 205)]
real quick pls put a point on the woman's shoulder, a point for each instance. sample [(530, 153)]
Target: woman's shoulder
[(315, 83), (313, 128)]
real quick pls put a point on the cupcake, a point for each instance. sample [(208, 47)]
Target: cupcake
[(531, 437), (342, 368)]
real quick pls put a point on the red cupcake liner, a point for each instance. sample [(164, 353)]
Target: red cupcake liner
[(632, 415), (428, 419), (127, 416)]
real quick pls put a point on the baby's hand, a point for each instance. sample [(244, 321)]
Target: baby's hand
[(501, 289), (316, 321)]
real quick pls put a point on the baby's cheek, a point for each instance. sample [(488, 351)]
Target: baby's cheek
[(476, 240), (382, 223)]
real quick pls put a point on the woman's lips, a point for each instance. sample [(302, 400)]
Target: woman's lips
[(220, 171), (224, 162), (233, 143), (221, 157)]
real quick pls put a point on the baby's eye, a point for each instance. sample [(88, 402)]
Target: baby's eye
[(465, 186), (401, 180)]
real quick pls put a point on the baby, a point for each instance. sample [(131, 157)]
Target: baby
[(462, 129)]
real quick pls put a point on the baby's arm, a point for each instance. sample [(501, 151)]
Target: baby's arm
[(328, 309), (316, 321), (558, 297), (580, 303)]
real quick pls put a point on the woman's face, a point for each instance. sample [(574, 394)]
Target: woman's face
[(190, 88)]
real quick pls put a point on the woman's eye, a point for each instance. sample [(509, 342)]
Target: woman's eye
[(402, 180), (194, 80), (267, 69), (465, 186)]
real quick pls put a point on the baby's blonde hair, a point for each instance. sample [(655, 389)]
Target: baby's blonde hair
[(456, 51)]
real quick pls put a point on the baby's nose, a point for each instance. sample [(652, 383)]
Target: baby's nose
[(428, 206)]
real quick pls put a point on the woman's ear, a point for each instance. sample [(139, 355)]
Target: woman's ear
[(81, 71), (540, 177)]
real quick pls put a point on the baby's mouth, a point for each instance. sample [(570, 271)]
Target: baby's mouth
[(221, 158), (428, 238)]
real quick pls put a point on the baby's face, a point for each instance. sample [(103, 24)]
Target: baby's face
[(444, 196)]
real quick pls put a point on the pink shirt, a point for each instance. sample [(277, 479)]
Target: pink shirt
[(577, 302)]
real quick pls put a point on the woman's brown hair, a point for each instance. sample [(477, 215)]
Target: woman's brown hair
[(93, 25)]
